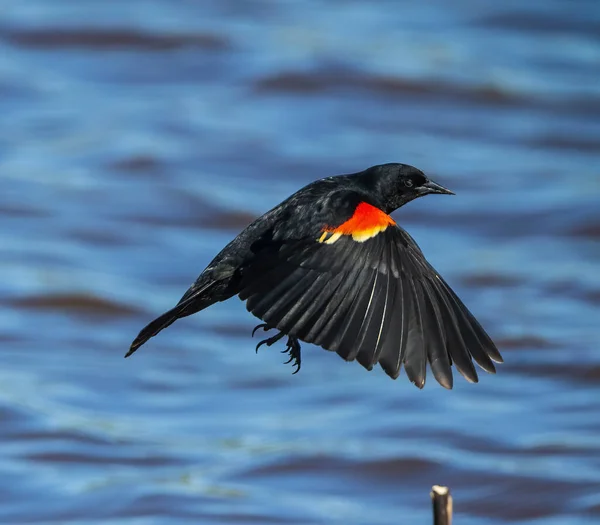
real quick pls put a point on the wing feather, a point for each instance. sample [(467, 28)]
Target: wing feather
[(294, 313), (314, 304), (279, 286), (345, 341), (376, 300), (455, 344), (437, 354), (394, 347), (481, 338), (415, 358), (328, 336), (382, 315)]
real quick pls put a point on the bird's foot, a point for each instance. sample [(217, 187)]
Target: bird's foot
[(292, 346), (293, 350)]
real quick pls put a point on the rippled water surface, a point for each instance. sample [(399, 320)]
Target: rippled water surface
[(139, 137)]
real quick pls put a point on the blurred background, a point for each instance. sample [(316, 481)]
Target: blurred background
[(139, 137)]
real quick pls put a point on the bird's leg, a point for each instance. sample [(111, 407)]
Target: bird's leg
[(292, 346), (269, 341), (293, 350)]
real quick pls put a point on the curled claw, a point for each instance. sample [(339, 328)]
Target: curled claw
[(264, 326), (260, 344), (297, 364)]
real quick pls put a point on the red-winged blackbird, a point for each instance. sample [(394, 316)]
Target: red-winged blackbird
[(329, 266)]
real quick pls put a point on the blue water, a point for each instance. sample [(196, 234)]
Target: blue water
[(139, 137)]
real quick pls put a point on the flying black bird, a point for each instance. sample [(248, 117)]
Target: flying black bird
[(329, 266)]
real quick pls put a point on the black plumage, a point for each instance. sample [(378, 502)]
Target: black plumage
[(329, 266)]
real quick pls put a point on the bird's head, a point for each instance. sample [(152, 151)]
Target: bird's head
[(396, 184)]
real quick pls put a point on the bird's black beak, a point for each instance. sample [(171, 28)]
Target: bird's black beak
[(432, 187)]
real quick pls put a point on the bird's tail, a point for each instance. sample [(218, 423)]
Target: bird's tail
[(189, 304), (154, 327)]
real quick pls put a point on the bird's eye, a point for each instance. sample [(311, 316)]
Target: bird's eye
[(408, 183)]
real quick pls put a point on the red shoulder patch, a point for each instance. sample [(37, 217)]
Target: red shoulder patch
[(366, 222)]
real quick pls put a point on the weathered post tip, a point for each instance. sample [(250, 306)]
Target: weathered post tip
[(442, 505)]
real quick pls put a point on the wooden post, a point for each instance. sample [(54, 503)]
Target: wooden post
[(442, 505)]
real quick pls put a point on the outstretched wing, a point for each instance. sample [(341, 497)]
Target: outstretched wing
[(364, 290)]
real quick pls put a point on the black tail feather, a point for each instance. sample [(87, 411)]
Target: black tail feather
[(160, 323), (194, 300)]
